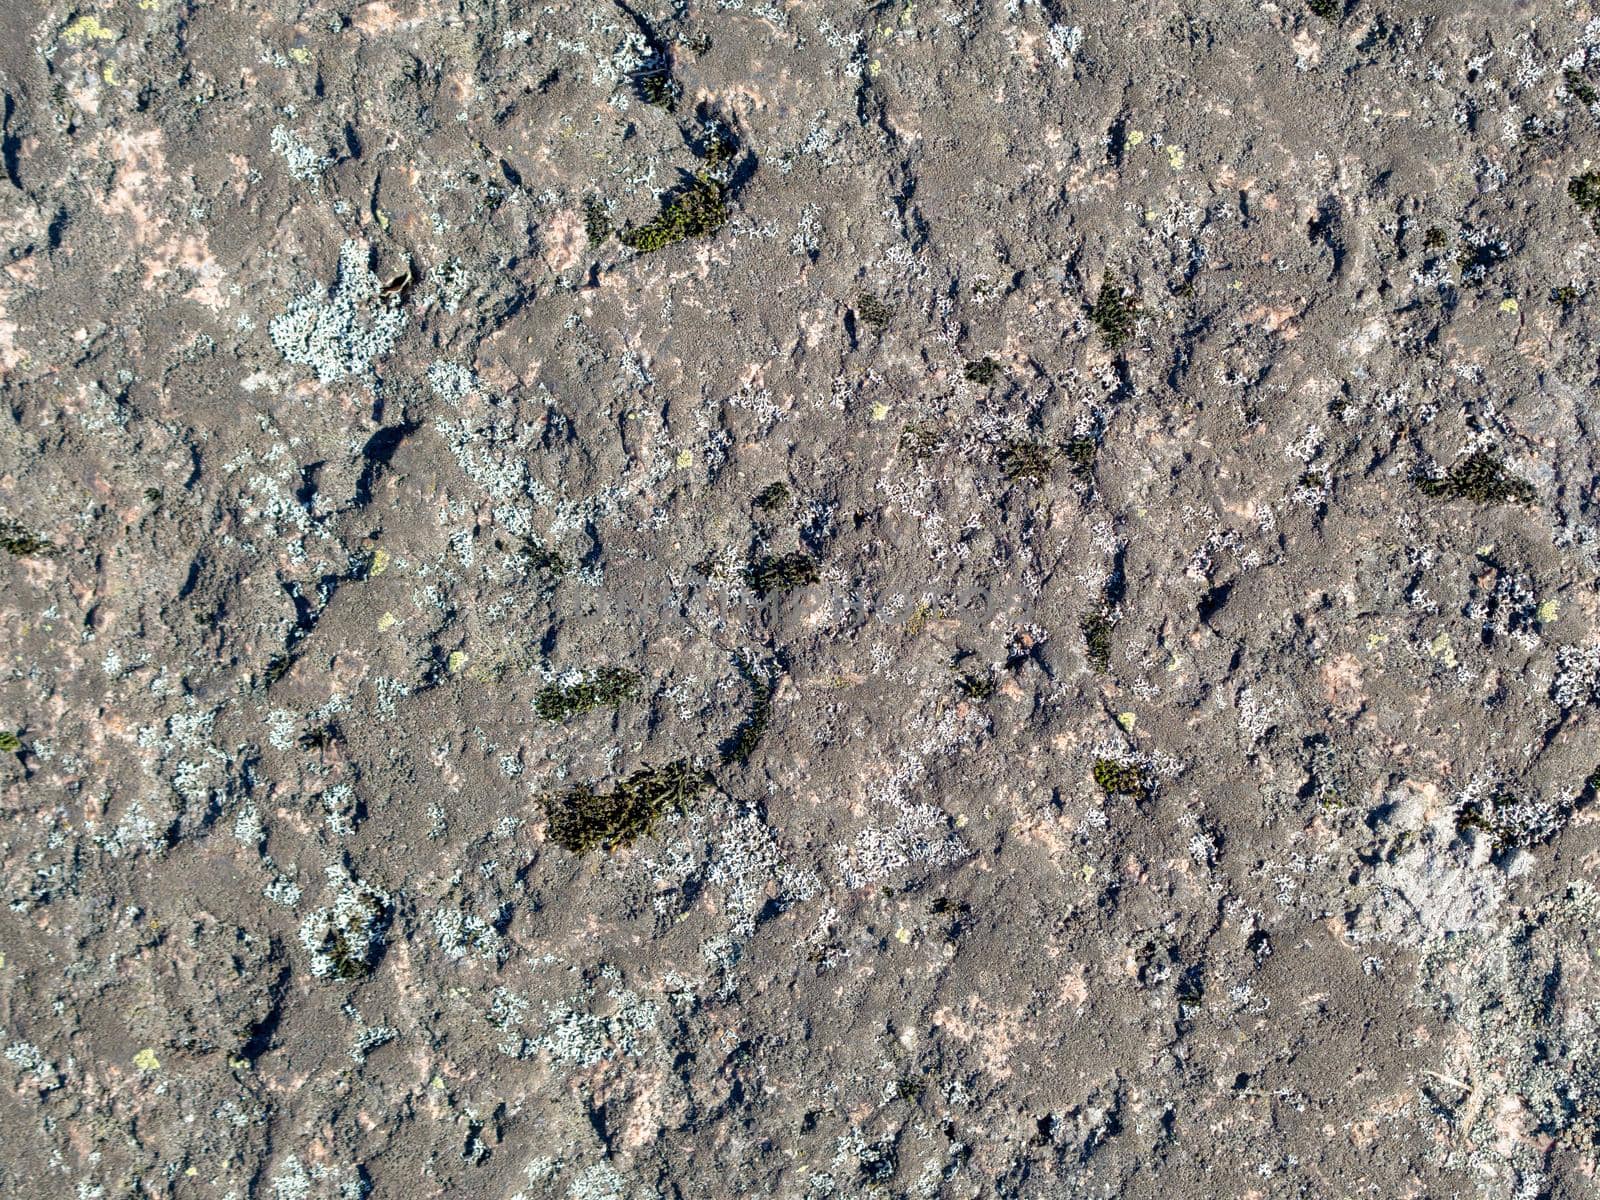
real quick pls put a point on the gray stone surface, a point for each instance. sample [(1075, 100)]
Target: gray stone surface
[(1145, 748)]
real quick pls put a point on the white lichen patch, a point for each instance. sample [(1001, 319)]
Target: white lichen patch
[(343, 330)]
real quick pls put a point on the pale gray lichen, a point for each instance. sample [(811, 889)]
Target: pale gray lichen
[(463, 933), (304, 163), (341, 331), (295, 1181), (28, 1058)]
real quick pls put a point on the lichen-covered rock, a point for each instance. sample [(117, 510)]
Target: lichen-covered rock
[(802, 600)]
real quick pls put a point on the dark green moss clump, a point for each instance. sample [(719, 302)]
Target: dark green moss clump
[(17, 541), (10, 743), (1026, 460), (1482, 478), (596, 224), (582, 819), (1079, 453), (780, 573), (1118, 778), (873, 311), (773, 498), (698, 209), (1579, 87), (909, 1090), (743, 743), (716, 150), (656, 86), (1585, 192), (1115, 312), (551, 566), (983, 371), (1096, 628), (1328, 10), (606, 687)]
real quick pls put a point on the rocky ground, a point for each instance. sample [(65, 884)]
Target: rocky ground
[(792, 598)]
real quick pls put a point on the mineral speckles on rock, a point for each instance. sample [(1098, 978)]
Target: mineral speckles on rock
[(924, 601)]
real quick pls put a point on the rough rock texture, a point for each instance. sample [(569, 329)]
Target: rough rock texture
[(799, 599)]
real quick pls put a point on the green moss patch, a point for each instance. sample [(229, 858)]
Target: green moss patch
[(1079, 453), (1115, 312), (596, 224), (698, 209), (744, 742), (780, 573), (605, 687), (1482, 478), (582, 819), (976, 685), (873, 312), (773, 498), (18, 541), (1585, 193), (656, 86), (1030, 461), (1118, 778), (983, 371), (1096, 628)]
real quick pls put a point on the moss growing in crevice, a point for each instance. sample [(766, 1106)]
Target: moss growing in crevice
[(697, 209), (1096, 628), (922, 441), (873, 312), (1585, 193), (1482, 478), (1115, 312), (780, 573), (976, 685), (19, 542), (1328, 10), (1578, 87), (1026, 461), (605, 687), (773, 498), (550, 566), (749, 734), (582, 819), (1118, 778), (1079, 453), (982, 371), (657, 87), (596, 224)]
